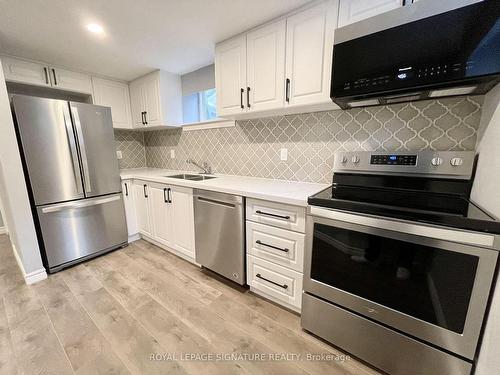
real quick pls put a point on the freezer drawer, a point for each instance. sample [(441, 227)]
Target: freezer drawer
[(76, 230)]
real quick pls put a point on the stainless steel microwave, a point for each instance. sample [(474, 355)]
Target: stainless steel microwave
[(426, 50)]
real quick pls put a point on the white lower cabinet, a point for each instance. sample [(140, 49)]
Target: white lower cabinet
[(129, 202), (161, 214), (165, 214), (142, 207), (278, 283), (275, 240), (183, 220)]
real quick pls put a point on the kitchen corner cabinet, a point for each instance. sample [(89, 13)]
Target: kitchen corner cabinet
[(39, 74), (351, 11), (116, 95), (156, 100), (165, 214), (128, 201), (283, 64)]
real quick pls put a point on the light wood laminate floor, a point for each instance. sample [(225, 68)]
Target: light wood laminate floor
[(110, 315)]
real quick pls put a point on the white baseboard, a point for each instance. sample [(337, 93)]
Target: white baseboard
[(3, 230), (35, 276), (32, 277), (134, 237)]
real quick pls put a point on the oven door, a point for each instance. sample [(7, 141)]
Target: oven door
[(429, 282)]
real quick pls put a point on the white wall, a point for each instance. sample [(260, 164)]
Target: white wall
[(14, 195), (199, 80), (486, 193)]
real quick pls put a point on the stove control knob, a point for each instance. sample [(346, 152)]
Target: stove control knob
[(355, 159), (343, 159), (436, 161), (456, 162)]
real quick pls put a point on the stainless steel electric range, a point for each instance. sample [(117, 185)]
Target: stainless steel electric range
[(399, 263)]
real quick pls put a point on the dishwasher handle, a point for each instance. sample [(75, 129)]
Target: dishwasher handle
[(217, 202)]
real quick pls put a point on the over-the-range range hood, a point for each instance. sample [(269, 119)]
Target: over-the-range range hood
[(424, 50)]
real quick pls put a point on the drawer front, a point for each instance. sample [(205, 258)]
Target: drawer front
[(276, 245), (277, 214), (275, 281)]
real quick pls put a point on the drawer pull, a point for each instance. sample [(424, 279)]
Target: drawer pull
[(272, 282), (272, 215), (272, 246)]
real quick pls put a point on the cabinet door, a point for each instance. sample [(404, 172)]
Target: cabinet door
[(71, 81), (183, 220), (161, 215), (266, 66), (151, 97), (130, 213), (309, 49), (25, 72), (230, 76), (115, 95), (142, 209), (351, 11), (137, 103)]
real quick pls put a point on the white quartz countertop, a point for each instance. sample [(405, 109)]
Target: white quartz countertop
[(289, 192)]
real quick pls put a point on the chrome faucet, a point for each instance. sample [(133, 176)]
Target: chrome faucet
[(205, 167)]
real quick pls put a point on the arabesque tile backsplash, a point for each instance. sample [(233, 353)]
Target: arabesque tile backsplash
[(252, 147)]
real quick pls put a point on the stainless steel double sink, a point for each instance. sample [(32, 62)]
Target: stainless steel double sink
[(191, 177)]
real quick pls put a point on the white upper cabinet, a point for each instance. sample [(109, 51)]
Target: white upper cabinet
[(33, 73), (230, 76), (309, 49), (71, 81), (356, 10), (156, 100), (21, 71), (281, 67), (266, 66), (115, 95)]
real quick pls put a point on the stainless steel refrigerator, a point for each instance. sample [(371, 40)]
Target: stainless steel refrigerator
[(73, 178)]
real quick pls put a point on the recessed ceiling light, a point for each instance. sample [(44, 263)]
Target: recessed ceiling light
[(95, 28)]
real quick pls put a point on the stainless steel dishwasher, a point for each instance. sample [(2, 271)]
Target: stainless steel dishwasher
[(220, 233)]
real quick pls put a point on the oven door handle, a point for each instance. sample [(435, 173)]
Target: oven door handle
[(443, 234)]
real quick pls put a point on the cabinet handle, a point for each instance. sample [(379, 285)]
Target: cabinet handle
[(126, 189), (287, 90), (145, 117), (241, 98), (55, 78), (272, 246), (248, 97), (145, 191), (46, 72), (165, 199), (169, 191), (272, 282), (273, 215)]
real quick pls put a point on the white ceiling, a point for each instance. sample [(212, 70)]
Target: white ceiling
[(139, 35)]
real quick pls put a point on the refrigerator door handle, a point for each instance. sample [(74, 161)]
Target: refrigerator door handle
[(83, 153), (72, 146), (79, 204)]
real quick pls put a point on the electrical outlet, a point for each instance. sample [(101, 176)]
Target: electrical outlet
[(284, 154), (119, 155), (172, 154)]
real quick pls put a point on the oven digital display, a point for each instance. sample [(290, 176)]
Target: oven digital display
[(393, 159)]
